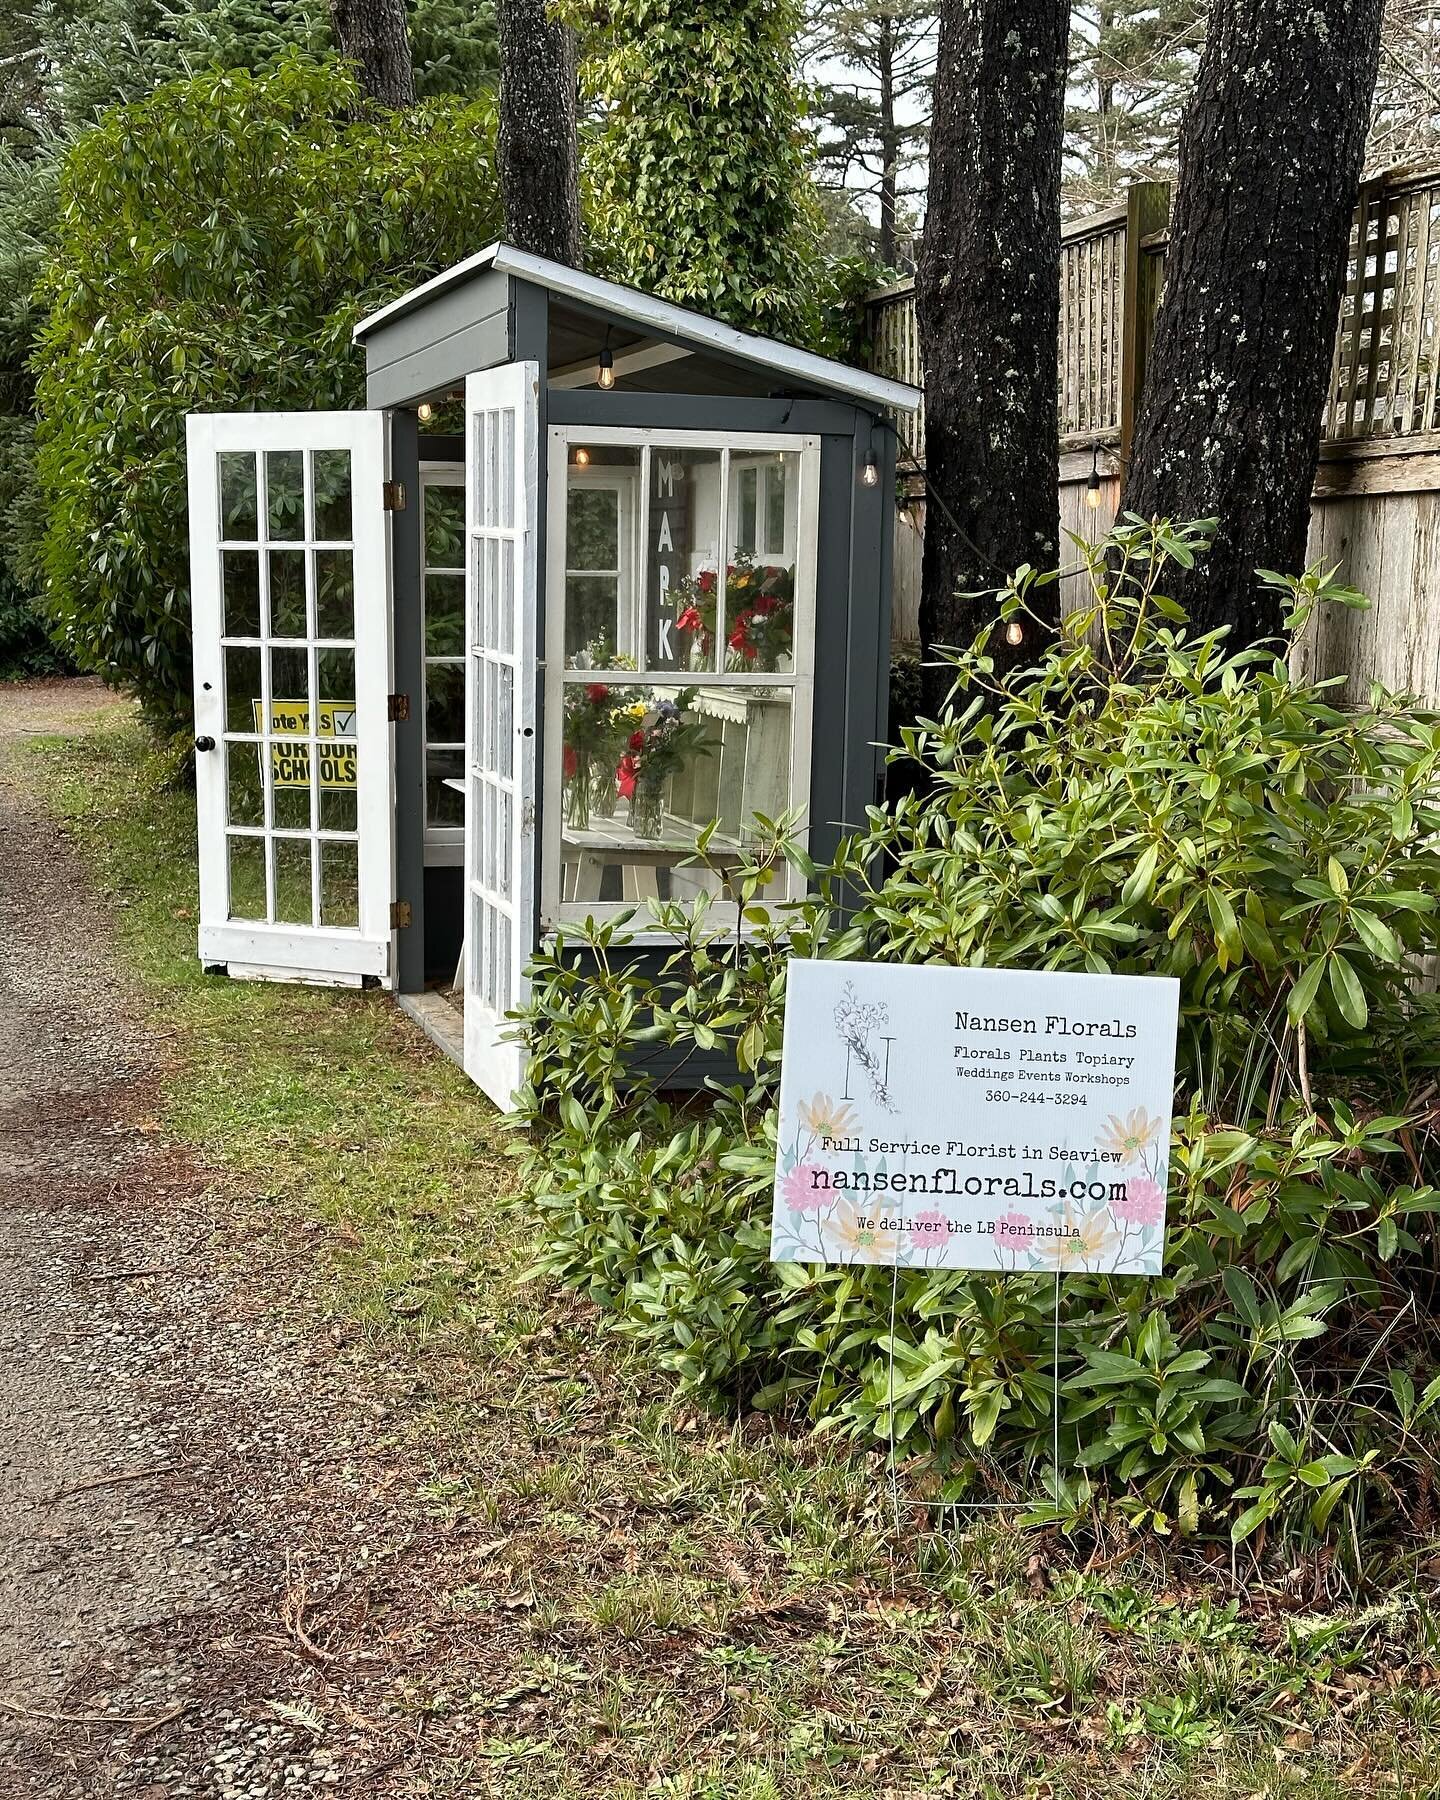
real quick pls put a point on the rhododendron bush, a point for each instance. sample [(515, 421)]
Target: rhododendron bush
[(1142, 801)]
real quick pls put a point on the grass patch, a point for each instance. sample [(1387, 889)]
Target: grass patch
[(647, 1600)]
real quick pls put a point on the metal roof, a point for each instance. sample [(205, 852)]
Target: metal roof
[(659, 316)]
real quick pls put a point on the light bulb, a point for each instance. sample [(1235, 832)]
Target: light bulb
[(1093, 495), (1014, 632), (582, 456), (424, 412), (871, 477), (606, 376)]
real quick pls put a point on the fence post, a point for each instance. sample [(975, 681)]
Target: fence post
[(1147, 212)]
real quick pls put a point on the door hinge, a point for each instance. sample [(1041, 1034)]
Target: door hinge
[(400, 914), (397, 708), (394, 492)]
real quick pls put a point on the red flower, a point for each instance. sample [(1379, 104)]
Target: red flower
[(738, 637), (637, 741), (690, 620), (625, 777), (571, 761), (766, 604), (596, 691), (706, 581)]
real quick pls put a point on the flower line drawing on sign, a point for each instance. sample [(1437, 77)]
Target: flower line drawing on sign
[(855, 1023)]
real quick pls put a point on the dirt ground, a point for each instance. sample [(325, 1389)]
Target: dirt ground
[(200, 1483)]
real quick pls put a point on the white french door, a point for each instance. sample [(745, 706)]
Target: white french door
[(501, 593), (289, 554)]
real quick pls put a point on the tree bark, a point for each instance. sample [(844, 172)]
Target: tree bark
[(1229, 427), (373, 34), (987, 297), (889, 136), (539, 175)]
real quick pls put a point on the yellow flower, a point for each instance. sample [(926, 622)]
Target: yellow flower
[(1127, 1137), (827, 1117), (865, 1243), (1086, 1240)]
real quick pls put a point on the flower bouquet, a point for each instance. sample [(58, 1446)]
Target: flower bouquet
[(760, 622), (659, 747), (595, 730)]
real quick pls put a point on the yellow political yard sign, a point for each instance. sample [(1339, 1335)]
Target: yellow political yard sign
[(290, 760)]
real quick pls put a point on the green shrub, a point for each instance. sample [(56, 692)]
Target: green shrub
[(217, 242), (1142, 801)]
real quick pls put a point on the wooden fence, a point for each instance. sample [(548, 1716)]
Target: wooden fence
[(1376, 508)]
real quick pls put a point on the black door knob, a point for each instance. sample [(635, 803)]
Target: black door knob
[(204, 743)]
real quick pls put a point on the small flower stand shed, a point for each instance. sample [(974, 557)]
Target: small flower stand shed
[(453, 692)]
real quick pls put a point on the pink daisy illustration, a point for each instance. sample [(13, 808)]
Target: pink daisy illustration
[(928, 1231), (801, 1193), (1143, 1203), (1013, 1231)]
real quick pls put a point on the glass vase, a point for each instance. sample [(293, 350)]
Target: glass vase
[(604, 795), (577, 799), (645, 809)]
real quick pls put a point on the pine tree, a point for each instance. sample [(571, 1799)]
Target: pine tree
[(1270, 158), (1131, 66), (873, 67), (987, 291), (539, 154)]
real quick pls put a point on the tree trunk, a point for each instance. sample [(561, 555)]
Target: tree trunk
[(1229, 428), (373, 34), (889, 138), (539, 177), (987, 293)]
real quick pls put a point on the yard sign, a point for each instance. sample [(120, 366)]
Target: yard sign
[(974, 1118)]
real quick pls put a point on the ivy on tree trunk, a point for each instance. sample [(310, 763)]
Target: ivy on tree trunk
[(1270, 159), (539, 178), (987, 292), (373, 34)]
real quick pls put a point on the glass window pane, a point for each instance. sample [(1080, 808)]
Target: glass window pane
[(645, 768), (247, 877), (593, 528), (293, 900), (285, 492), (775, 485), (242, 690), (747, 484), (334, 593), (445, 703), (337, 800), (239, 508), (290, 783), (444, 525), (335, 671), (445, 615), (245, 797), (601, 516), (444, 805), (289, 689), (240, 587), (339, 884), (592, 619), (287, 594), (330, 472)]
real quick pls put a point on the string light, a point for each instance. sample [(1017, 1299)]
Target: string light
[(1093, 495), (871, 477), (606, 377), (424, 412), (582, 457), (1014, 632)]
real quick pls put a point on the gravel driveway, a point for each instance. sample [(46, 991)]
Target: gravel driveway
[(193, 1488)]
